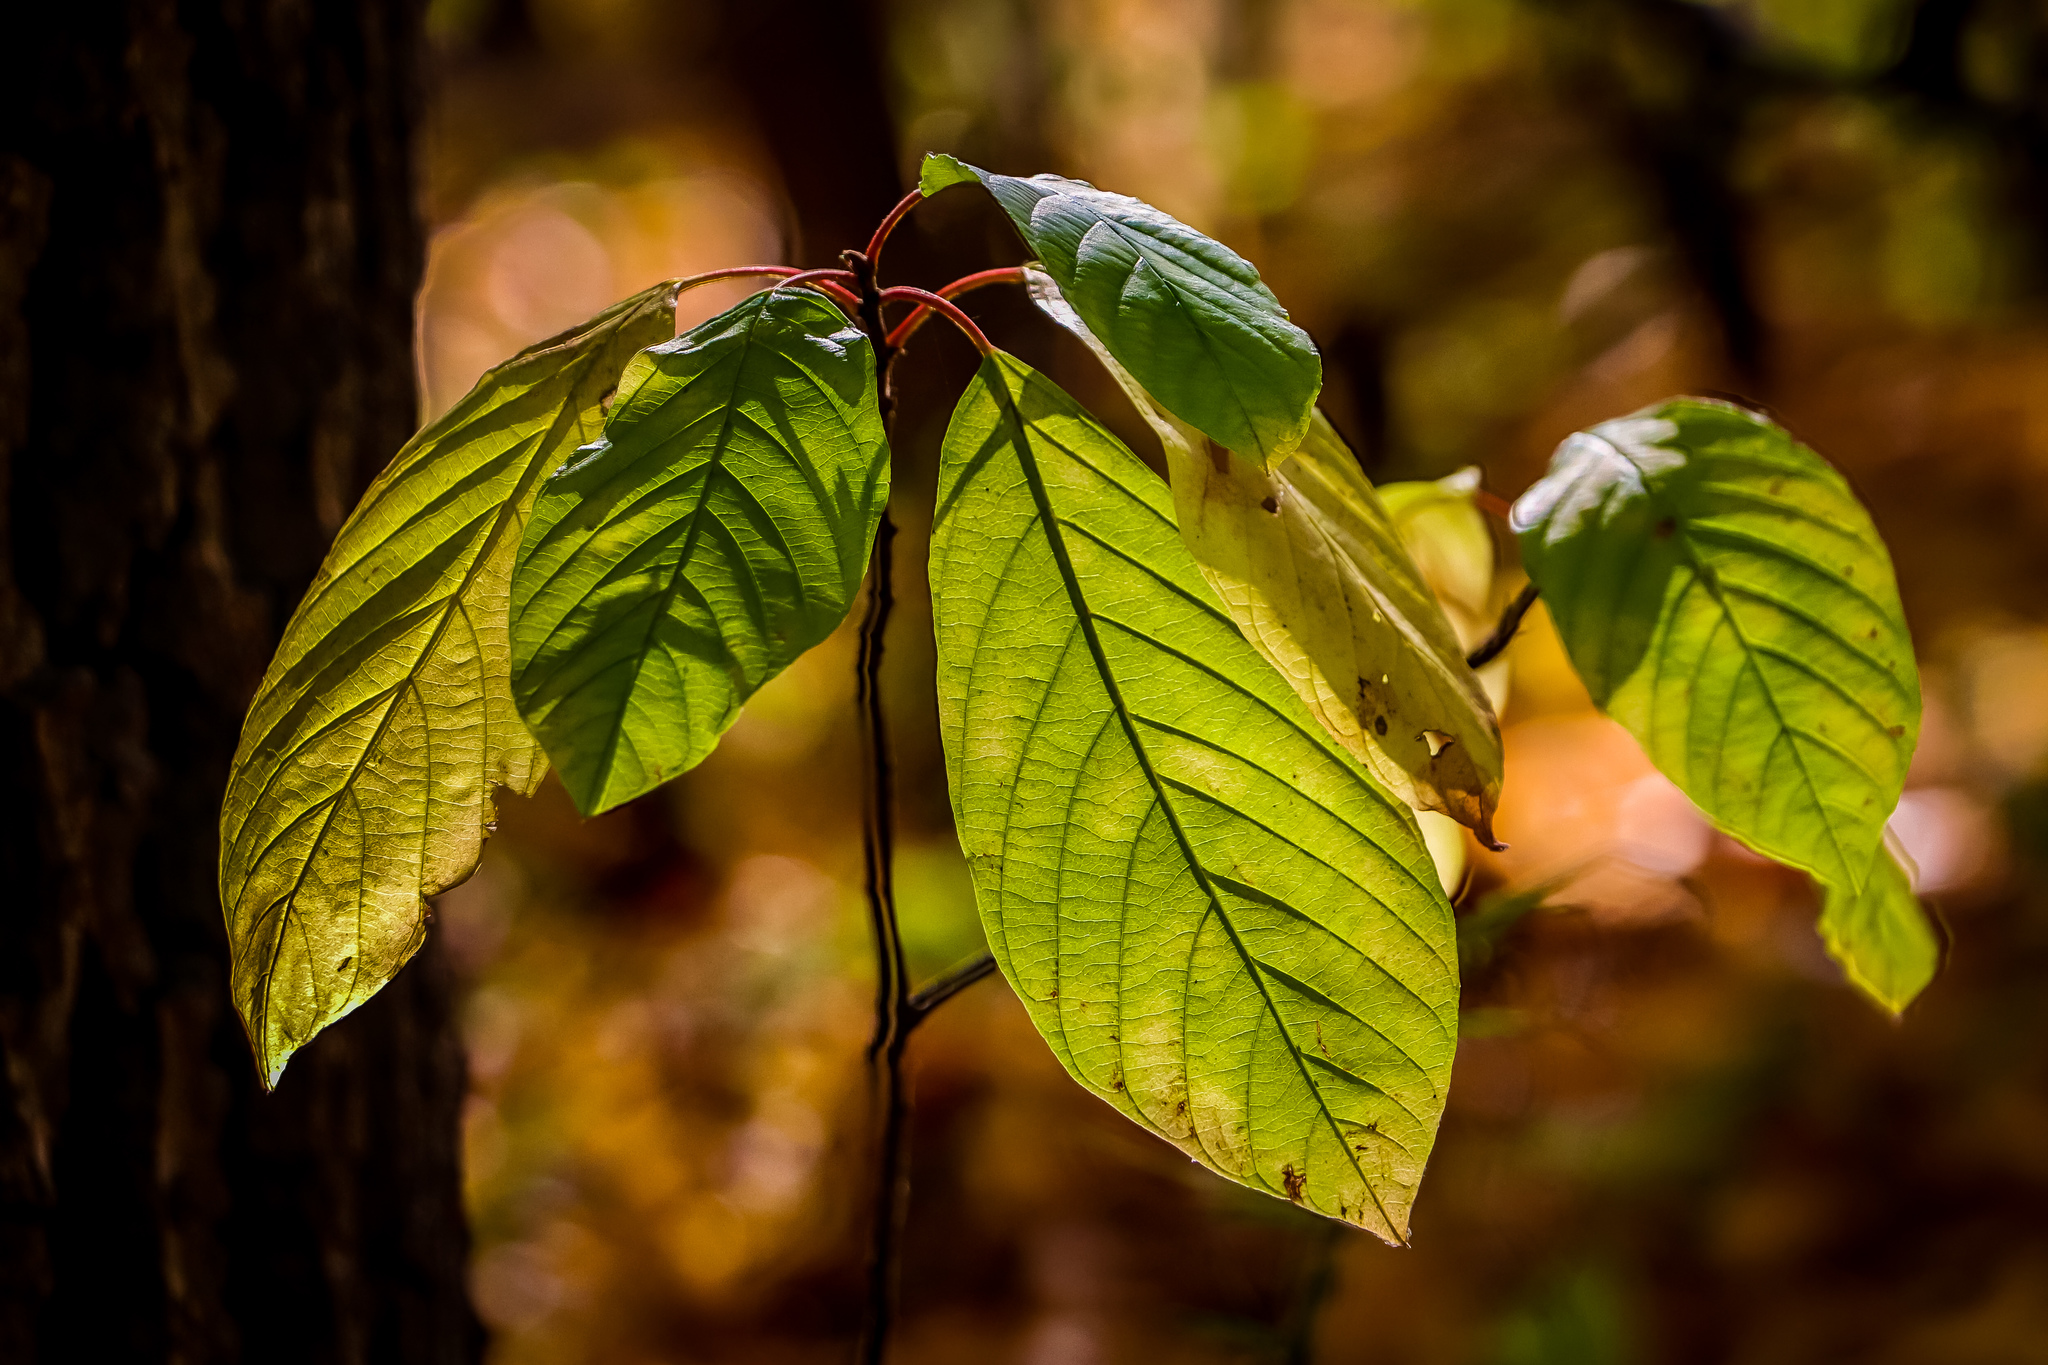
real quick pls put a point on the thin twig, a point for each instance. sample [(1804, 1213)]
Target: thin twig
[(897, 1010), (879, 835), (1503, 634), (870, 315), (892, 986), (885, 1047), (936, 993)]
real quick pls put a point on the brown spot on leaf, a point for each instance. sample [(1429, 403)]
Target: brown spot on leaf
[(1897, 732), (343, 965), (1379, 725), (1271, 504), (1666, 527), (1293, 1180)]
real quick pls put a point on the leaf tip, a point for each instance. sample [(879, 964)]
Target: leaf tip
[(941, 171)]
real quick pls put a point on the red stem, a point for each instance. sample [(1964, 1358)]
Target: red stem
[(831, 283), (1010, 274), (786, 275), (732, 272), (896, 215), (953, 314)]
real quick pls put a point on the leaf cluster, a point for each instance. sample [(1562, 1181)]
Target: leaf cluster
[(1189, 723)]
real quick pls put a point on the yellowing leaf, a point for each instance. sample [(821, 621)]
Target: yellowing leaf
[(363, 781), (1311, 569), (1445, 534)]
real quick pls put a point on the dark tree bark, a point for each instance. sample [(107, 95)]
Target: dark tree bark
[(208, 255), (810, 74)]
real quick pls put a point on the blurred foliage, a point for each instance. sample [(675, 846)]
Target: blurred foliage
[(1673, 1133)]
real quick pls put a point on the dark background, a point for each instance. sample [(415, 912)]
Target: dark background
[(631, 1048)]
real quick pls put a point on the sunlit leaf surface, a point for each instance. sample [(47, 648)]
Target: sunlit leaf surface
[(717, 530), (1882, 936), (1216, 918), (1186, 315), (363, 781), (1725, 597), (1446, 535), (1308, 564)]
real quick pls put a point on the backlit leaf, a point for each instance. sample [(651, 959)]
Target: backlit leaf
[(1445, 534), (1186, 315), (1882, 937), (717, 530), (1726, 598), (363, 783), (1308, 564), (1219, 922)]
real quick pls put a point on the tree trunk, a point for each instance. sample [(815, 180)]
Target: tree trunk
[(208, 255)]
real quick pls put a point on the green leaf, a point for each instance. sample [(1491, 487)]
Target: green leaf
[(1881, 937), (941, 172), (1219, 922), (718, 529), (1184, 314), (1308, 564), (1726, 598), (363, 784)]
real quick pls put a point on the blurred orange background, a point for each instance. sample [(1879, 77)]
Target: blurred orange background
[(1674, 1134)]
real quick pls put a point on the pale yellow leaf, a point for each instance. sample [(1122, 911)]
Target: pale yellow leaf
[(1310, 567), (364, 780)]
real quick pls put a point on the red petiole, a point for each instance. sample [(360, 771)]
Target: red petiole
[(831, 283), (934, 302), (888, 225), (1492, 503), (1013, 274)]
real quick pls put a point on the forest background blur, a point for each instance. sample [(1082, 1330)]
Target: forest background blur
[(1673, 1134)]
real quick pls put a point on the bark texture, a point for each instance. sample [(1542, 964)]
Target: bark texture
[(208, 255)]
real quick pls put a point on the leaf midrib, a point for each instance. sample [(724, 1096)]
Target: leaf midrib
[(1071, 582), (1194, 323), (720, 443), (347, 786), (1709, 578)]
